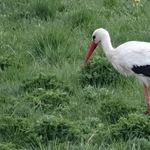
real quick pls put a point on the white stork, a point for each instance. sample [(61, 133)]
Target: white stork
[(130, 58)]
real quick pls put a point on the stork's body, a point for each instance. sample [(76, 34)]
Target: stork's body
[(130, 58)]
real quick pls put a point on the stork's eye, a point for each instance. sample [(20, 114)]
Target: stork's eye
[(94, 37)]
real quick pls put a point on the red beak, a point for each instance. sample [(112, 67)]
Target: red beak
[(91, 49)]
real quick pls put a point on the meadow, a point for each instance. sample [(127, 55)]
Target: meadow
[(48, 100)]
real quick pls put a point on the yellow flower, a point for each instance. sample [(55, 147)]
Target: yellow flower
[(27, 12), (10, 14), (137, 0)]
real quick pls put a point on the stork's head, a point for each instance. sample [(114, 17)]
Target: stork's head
[(98, 36)]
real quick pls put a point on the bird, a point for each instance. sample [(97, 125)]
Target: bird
[(130, 58)]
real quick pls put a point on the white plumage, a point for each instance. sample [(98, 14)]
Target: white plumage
[(130, 58)]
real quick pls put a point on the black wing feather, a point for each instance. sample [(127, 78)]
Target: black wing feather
[(145, 70)]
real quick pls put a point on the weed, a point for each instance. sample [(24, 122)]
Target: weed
[(135, 125), (99, 71), (47, 100), (43, 81), (92, 94), (112, 109), (10, 60)]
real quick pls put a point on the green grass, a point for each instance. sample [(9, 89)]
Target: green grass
[(48, 100)]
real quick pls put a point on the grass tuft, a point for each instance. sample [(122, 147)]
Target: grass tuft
[(44, 9)]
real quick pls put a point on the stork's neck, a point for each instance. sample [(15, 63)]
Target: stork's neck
[(107, 46)]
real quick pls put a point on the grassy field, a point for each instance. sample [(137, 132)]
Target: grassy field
[(48, 101)]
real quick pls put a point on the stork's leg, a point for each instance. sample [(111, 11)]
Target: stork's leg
[(147, 99)]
